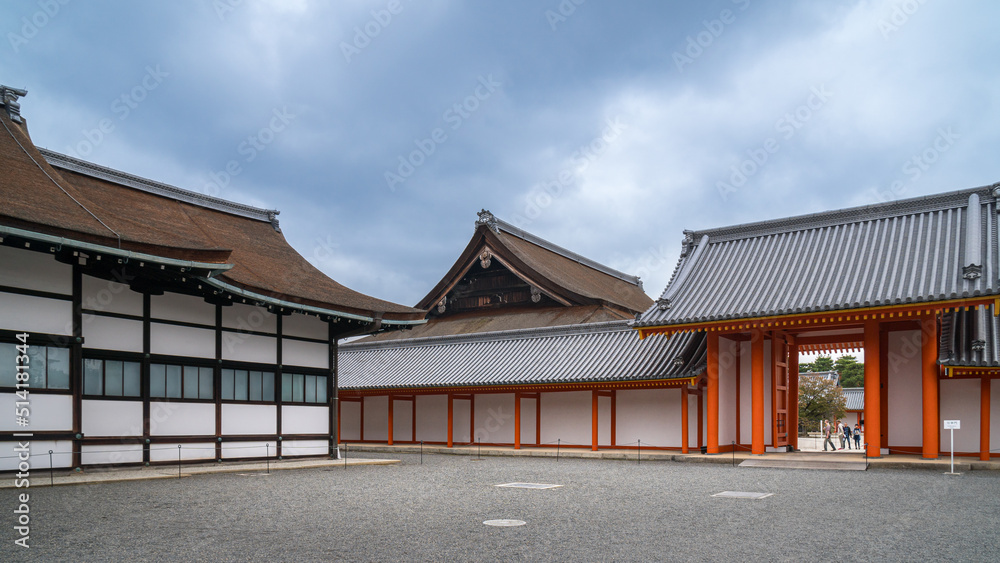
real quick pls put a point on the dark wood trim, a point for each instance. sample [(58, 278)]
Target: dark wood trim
[(36, 293), (217, 382), (184, 324), (144, 385), (331, 390), (279, 385), (76, 362), (113, 315)]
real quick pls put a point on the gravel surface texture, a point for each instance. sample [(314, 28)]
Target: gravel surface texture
[(604, 511)]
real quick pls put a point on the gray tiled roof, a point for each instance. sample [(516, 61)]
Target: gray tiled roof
[(855, 397), (599, 352), (970, 338), (908, 251)]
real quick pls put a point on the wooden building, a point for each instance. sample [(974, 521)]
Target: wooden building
[(159, 322)]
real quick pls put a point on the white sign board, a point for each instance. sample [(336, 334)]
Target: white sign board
[(953, 425)]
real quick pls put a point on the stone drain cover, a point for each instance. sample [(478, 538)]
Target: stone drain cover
[(504, 523), (529, 486), (739, 494)]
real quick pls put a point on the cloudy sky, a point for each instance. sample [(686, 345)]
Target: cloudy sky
[(380, 128)]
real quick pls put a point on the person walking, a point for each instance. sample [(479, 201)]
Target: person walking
[(840, 433), (827, 437), (847, 435), (857, 436)]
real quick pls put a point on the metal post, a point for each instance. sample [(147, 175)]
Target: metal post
[(479, 445), (421, 452), (345, 455), (952, 450), (558, 441), (638, 452), (734, 454), (178, 461), (52, 481), (267, 456), (866, 456)]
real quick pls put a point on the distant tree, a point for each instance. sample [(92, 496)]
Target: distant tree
[(819, 399), (852, 372), (822, 363)]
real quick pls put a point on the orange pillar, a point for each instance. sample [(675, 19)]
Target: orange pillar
[(793, 395), (390, 420), (451, 420), (712, 381), (684, 419), (517, 420), (984, 419), (757, 391), (873, 389), (929, 370), (614, 416), (593, 420)]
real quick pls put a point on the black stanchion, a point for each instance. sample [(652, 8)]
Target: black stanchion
[(178, 461), (52, 481), (558, 442), (734, 454), (421, 452), (638, 452), (345, 456), (479, 451), (267, 457)]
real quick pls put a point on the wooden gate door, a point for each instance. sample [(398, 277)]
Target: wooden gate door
[(779, 389)]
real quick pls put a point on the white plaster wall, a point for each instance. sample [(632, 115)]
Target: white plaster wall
[(305, 354), (62, 454), (305, 326), (603, 421), (729, 351), (350, 421), (105, 333), (528, 420), (249, 348), (650, 415), (693, 422), (746, 394), (250, 449), (960, 401), (402, 421), (377, 418), (168, 451), (46, 412), (110, 296), (112, 454), (995, 416), (495, 418), (249, 419), (36, 314), (178, 307), (305, 420), (249, 318), (34, 270), (182, 419), (304, 447), (905, 401), (566, 416), (432, 418), (112, 418), (461, 432), (174, 340)]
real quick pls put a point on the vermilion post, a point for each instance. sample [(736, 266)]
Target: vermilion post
[(517, 420), (929, 378), (390, 420), (873, 391), (712, 388), (593, 422), (757, 391), (451, 420)]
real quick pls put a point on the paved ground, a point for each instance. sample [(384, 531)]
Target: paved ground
[(605, 510)]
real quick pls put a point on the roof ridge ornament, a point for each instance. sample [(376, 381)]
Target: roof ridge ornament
[(688, 243), (488, 219), (272, 216), (995, 190), (8, 99), (662, 304)]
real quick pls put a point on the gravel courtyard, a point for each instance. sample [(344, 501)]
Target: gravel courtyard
[(603, 511)]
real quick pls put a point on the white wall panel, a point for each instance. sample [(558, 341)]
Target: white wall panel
[(432, 418), (38, 452), (305, 326), (376, 418), (650, 415), (113, 454), (960, 401), (995, 416), (528, 420), (350, 421), (46, 412), (249, 318), (603, 421), (249, 419), (249, 348), (495, 418), (34, 270), (36, 314), (729, 356), (106, 333), (402, 421), (182, 419), (566, 416), (181, 341), (305, 354), (305, 420), (168, 451), (293, 448), (112, 418), (461, 430), (185, 308), (110, 296), (249, 449), (693, 422), (905, 389)]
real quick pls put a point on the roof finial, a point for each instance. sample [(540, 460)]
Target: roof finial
[(8, 98), (487, 218), (272, 216)]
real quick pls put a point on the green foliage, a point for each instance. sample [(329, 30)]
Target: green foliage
[(819, 399), (852, 372), (822, 363)]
